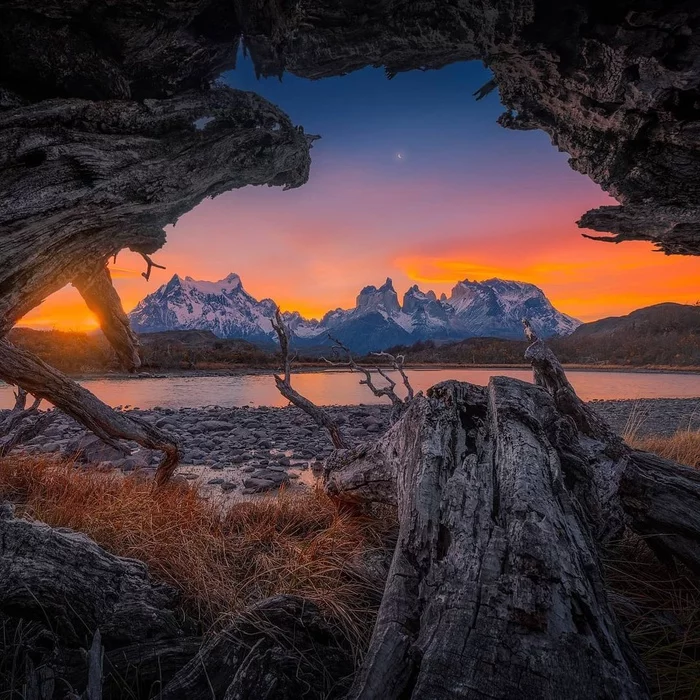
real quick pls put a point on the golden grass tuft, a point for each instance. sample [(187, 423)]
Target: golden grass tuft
[(683, 447), (221, 560)]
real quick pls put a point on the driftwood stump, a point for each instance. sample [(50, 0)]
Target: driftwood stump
[(506, 496)]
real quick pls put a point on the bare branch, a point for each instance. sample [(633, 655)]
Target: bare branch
[(20, 367), (284, 386), (397, 362), (19, 412), (25, 430), (150, 265)]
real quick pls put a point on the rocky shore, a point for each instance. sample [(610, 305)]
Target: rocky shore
[(243, 451)]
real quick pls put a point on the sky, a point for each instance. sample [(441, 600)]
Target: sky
[(414, 180)]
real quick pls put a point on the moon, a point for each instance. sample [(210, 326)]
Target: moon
[(399, 156)]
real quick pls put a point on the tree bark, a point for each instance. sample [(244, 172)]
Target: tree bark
[(506, 496), (495, 589), (39, 379), (95, 286)]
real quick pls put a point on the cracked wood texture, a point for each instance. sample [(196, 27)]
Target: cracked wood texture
[(495, 589), (506, 496), (616, 85)]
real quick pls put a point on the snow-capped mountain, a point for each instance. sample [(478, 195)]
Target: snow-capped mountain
[(492, 308), (223, 307)]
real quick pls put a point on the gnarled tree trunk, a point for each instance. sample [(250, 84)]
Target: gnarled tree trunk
[(506, 496)]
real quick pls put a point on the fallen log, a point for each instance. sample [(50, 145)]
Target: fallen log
[(20, 367), (506, 498), (495, 588), (67, 589)]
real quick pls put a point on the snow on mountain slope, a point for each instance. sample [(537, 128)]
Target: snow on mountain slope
[(491, 308), (223, 307)]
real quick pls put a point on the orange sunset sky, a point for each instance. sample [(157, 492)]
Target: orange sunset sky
[(412, 180)]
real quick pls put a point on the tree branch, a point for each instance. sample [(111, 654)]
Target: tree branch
[(284, 386), (20, 367), (95, 286)]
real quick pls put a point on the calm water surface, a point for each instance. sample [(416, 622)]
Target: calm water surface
[(338, 387)]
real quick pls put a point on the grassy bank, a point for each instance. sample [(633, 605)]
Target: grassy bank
[(221, 561), (302, 544)]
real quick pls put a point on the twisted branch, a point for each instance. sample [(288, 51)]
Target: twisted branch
[(284, 386)]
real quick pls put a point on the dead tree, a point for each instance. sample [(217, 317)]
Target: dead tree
[(398, 405), (284, 385), (89, 178), (22, 424), (20, 367), (506, 496)]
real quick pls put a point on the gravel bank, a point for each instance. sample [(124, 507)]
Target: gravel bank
[(242, 451)]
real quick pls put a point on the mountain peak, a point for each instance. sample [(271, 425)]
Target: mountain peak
[(475, 309), (232, 277), (384, 299)]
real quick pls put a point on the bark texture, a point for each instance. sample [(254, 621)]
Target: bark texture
[(495, 589), (81, 180), (506, 498), (26, 370), (615, 85)]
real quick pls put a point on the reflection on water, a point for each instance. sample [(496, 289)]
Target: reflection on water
[(336, 387)]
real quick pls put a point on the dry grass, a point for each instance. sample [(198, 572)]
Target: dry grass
[(660, 608), (222, 561), (683, 447), (661, 612)]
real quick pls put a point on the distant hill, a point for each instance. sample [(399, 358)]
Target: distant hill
[(85, 353), (664, 335), (660, 335)]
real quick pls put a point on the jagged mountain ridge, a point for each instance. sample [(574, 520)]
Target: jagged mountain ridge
[(492, 308)]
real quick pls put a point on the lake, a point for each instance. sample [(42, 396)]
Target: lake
[(342, 387)]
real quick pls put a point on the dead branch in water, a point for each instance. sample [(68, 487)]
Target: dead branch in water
[(284, 385), (398, 405)]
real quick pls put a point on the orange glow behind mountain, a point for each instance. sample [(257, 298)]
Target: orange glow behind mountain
[(592, 281)]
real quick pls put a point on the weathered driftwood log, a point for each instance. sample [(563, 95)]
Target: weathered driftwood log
[(506, 496), (85, 179), (495, 590), (655, 497), (280, 649), (20, 367), (69, 588)]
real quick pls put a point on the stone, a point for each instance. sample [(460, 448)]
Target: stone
[(256, 485), (90, 448)]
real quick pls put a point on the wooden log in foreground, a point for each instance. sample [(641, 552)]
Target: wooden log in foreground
[(505, 496), (495, 589), (20, 367)]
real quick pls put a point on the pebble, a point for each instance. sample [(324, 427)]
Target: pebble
[(259, 446)]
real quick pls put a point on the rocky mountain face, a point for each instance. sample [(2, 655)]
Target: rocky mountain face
[(493, 308), (222, 307)]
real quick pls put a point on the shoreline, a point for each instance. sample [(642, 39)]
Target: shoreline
[(242, 451), (312, 369)]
